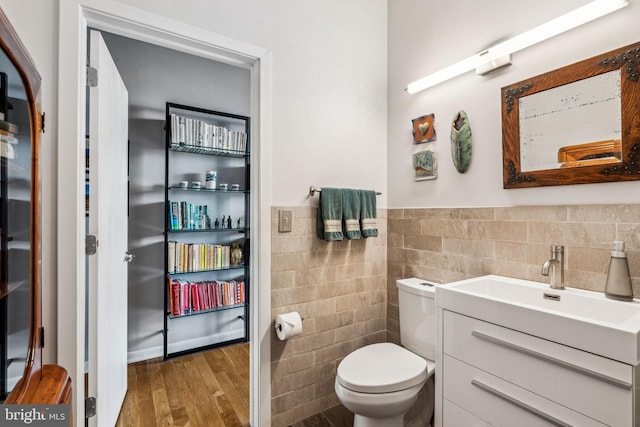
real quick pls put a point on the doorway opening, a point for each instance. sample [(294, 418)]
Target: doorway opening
[(154, 75)]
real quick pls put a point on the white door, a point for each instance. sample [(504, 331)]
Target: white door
[(108, 222)]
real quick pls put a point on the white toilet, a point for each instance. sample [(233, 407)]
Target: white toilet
[(379, 383)]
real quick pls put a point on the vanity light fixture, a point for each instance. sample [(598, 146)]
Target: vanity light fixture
[(499, 55)]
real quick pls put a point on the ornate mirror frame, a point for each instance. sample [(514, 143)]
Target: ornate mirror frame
[(625, 59)]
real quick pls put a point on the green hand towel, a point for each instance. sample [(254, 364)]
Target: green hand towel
[(351, 206), (330, 214), (368, 223)]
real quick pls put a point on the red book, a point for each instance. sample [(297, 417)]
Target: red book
[(194, 297), (175, 297), (186, 303), (205, 296), (201, 302), (218, 294), (233, 287), (214, 294), (170, 290)]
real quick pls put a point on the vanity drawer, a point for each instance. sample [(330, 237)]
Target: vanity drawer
[(500, 403), (453, 415), (598, 387)]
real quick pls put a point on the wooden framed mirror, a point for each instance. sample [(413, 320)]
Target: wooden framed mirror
[(578, 124), (23, 378)]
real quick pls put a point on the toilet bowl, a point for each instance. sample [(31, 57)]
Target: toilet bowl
[(380, 382)]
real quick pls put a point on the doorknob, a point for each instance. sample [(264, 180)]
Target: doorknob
[(128, 257)]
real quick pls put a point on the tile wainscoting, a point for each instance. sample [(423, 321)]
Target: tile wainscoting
[(339, 289), (444, 245), (346, 293)]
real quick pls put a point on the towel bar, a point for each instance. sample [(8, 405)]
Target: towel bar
[(313, 190)]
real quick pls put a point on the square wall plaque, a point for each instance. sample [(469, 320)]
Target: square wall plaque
[(423, 129)]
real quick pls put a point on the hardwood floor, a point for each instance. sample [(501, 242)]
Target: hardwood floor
[(206, 389)]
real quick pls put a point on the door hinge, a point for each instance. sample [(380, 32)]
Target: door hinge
[(91, 243), (42, 123), (92, 76), (90, 407)]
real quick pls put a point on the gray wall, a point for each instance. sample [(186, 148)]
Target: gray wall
[(155, 75)]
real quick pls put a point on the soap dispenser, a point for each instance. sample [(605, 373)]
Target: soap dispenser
[(618, 278)]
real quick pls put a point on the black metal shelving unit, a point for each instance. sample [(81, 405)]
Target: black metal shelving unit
[(200, 148)]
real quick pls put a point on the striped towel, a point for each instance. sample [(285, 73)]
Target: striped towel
[(351, 206), (330, 214), (368, 223)]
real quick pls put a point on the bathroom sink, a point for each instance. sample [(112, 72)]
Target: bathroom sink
[(579, 318)]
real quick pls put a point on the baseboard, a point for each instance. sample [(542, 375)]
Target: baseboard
[(144, 354), (157, 351), (204, 341)]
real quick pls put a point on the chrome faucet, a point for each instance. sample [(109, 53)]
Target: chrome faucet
[(556, 265)]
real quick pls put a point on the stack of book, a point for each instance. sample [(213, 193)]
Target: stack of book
[(189, 257), (197, 133), (192, 297), (188, 216)]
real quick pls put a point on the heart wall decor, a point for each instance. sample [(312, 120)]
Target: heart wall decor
[(424, 129)]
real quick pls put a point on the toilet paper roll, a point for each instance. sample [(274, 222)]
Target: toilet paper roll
[(288, 325)]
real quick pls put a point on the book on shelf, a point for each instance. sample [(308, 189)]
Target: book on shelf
[(174, 216), (188, 216), (193, 297), (186, 300), (198, 133), (171, 256), (174, 300), (187, 257)]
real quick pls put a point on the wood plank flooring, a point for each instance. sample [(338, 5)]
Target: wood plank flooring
[(206, 389)]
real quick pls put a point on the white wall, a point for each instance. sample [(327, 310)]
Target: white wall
[(426, 36), (329, 76), (329, 85)]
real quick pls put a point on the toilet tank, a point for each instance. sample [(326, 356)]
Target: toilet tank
[(416, 301)]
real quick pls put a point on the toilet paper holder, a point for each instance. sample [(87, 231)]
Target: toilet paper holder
[(288, 325), (278, 326)]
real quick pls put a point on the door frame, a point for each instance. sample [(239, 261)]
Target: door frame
[(75, 16)]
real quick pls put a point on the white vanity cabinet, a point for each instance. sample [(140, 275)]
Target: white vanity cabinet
[(504, 376), (513, 352), (493, 375)]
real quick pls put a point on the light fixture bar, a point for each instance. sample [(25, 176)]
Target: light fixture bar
[(559, 25), (493, 65), (445, 74)]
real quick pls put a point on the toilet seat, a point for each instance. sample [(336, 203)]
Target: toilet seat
[(382, 368)]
